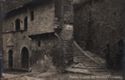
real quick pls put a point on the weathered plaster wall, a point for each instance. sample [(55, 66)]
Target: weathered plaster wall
[(13, 40), (43, 19), (45, 47)]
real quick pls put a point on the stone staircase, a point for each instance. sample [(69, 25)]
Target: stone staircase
[(89, 66)]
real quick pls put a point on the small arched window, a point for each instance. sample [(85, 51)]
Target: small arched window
[(17, 25), (26, 23)]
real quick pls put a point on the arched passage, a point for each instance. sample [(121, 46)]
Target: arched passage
[(25, 58), (10, 59)]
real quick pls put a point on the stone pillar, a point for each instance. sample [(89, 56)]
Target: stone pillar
[(67, 32), (64, 18), (63, 12), (63, 52), (67, 42)]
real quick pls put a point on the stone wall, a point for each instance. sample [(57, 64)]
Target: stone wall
[(98, 23), (45, 47), (42, 53), (63, 12), (43, 19)]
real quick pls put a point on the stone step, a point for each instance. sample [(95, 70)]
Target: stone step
[(93, 69), (86, 61)]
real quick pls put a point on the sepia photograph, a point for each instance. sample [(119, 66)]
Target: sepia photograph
[(62, 39)]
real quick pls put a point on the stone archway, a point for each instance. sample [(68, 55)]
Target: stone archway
[(10, 59), (24, 58)]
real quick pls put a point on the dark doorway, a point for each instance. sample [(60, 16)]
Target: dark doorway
[(17, 24), (109, 62), (25, 58), (10, 59), (121, 45), (119, 55), (25, 23)]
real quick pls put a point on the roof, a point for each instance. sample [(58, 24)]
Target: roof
[(23, 8), (43, 35)]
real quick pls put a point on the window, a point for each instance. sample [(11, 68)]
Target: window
[(10, 59), (26, 23), (17, 25), (39, 43), (32, 15)]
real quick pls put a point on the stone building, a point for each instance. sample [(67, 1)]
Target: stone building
[(29, 32)]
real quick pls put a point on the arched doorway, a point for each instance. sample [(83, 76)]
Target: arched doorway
[(10, 59), (25, 58)]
